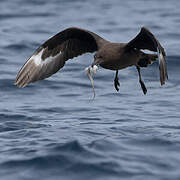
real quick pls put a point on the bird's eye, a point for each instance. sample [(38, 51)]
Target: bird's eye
[(97, 57)]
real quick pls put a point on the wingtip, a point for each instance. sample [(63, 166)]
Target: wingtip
[(162, 67), (143, 28), (19, 83), (163, 82), (15, 83)]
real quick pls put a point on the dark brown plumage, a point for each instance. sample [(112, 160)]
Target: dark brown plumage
[(72, 42)]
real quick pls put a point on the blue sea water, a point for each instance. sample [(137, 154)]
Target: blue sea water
[(52, 130)]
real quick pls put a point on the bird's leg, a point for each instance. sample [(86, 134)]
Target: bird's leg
[(140, 80), (116, 81)]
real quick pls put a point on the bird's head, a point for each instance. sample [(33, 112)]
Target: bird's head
[(98, 58)]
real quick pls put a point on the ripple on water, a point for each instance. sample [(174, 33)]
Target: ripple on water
[(69, 157)]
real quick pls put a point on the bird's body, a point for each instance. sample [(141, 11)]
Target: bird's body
[(115, 57), (53, 54)]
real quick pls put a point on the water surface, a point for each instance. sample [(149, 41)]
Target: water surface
[(53, 130)]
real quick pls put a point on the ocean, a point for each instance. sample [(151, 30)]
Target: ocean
[(53, 130)]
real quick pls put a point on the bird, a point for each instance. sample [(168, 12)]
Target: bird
[(52, 55)]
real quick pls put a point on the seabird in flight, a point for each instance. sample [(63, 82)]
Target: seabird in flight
[(72, 42)]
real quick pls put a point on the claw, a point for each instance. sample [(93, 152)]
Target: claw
[(116, 84), (116, 81)]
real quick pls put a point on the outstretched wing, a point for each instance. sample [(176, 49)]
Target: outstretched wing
[(52, 55), (146, 40)]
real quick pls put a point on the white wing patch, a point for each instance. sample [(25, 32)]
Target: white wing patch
[(160, 55), (37, 58), (37, 68)]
